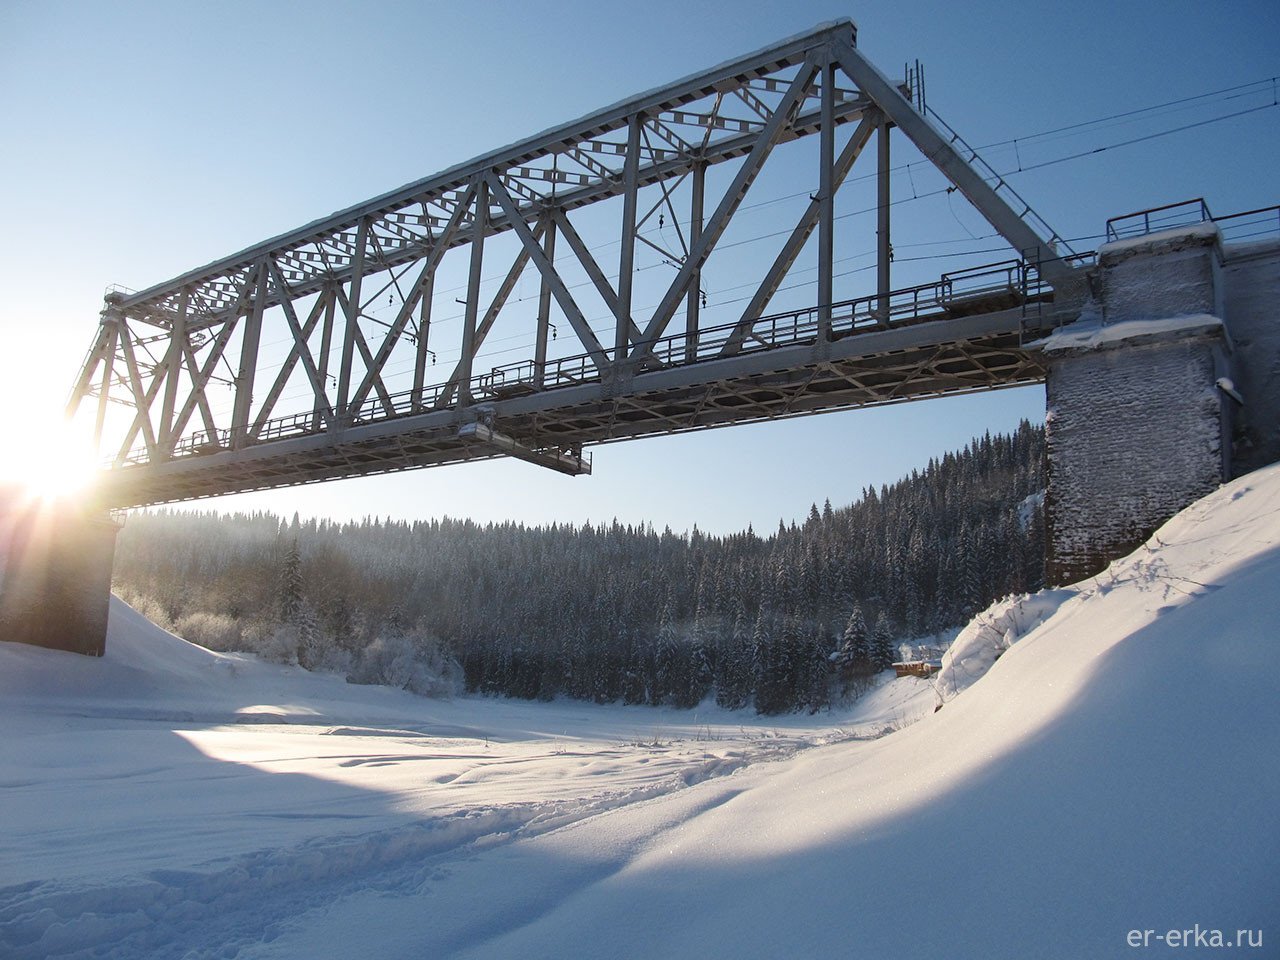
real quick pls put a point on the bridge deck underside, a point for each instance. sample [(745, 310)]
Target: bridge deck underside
[(930, 359)]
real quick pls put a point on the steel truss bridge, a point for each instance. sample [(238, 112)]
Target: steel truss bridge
[(158, 354)]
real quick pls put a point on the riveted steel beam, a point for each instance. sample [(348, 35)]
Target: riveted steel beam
[(654, 153)]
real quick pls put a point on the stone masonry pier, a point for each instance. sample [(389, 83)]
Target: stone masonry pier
[(1164, 388)]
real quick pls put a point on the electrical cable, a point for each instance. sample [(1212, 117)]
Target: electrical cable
[(916, 195), (1235, 92)]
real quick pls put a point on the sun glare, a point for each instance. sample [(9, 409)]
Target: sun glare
[(49, 461)]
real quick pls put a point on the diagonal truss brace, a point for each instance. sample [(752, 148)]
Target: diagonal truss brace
[(1008, 223), (786, 92), (719, 220)]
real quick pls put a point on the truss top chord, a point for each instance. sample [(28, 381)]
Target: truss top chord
[(728, 75)]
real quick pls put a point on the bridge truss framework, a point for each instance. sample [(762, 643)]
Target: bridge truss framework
[(157, 352)]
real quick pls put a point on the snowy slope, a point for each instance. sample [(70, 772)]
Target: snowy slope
[(1116, 769), (166, 796)]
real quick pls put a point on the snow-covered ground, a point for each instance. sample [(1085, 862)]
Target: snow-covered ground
[(1106, 762)]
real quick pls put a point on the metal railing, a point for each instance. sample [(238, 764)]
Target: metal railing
[(1250, 224), (117, 290), (1153, 219), (1002, 285), (1245, 225)]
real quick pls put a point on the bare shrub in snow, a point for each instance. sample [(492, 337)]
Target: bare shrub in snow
[(412, 661), (150, 608), (332, 659), (275, 642), (214, 631)]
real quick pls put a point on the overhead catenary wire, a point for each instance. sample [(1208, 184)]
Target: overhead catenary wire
[(1234, 92), (1128, 115), (1143, 139)]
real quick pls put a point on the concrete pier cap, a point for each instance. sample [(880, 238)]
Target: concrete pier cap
[(1137, 423), (56, 558), (1170, 273)]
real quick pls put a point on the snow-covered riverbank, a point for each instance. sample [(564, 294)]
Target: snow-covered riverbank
[(1115, 769)]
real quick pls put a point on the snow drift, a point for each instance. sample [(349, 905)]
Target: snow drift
[(1114, 769)]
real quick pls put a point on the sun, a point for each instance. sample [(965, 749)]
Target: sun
[(50, 459)]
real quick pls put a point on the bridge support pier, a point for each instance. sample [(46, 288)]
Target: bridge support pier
[(1251, 276), (55, 574), (1138, 426)]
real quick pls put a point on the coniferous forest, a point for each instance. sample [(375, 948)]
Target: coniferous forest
[(782, 621)]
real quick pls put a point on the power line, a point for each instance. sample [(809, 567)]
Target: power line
[(1143, 139), (1235, 92), (1258, 85)]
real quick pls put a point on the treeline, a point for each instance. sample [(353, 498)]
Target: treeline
[(607, 612)]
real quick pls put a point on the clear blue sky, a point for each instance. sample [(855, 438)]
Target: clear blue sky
[(144, 139)]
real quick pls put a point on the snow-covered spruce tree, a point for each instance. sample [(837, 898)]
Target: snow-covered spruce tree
[(882, 644), (734, 666), (312, 650), (289, 595), (814, 690), (634, 688), (852, 662), (777, 687), (762, 659), (667, 660), (699, 671)]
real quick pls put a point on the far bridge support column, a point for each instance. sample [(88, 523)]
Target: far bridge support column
[(1137, 427), (55, 573)]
